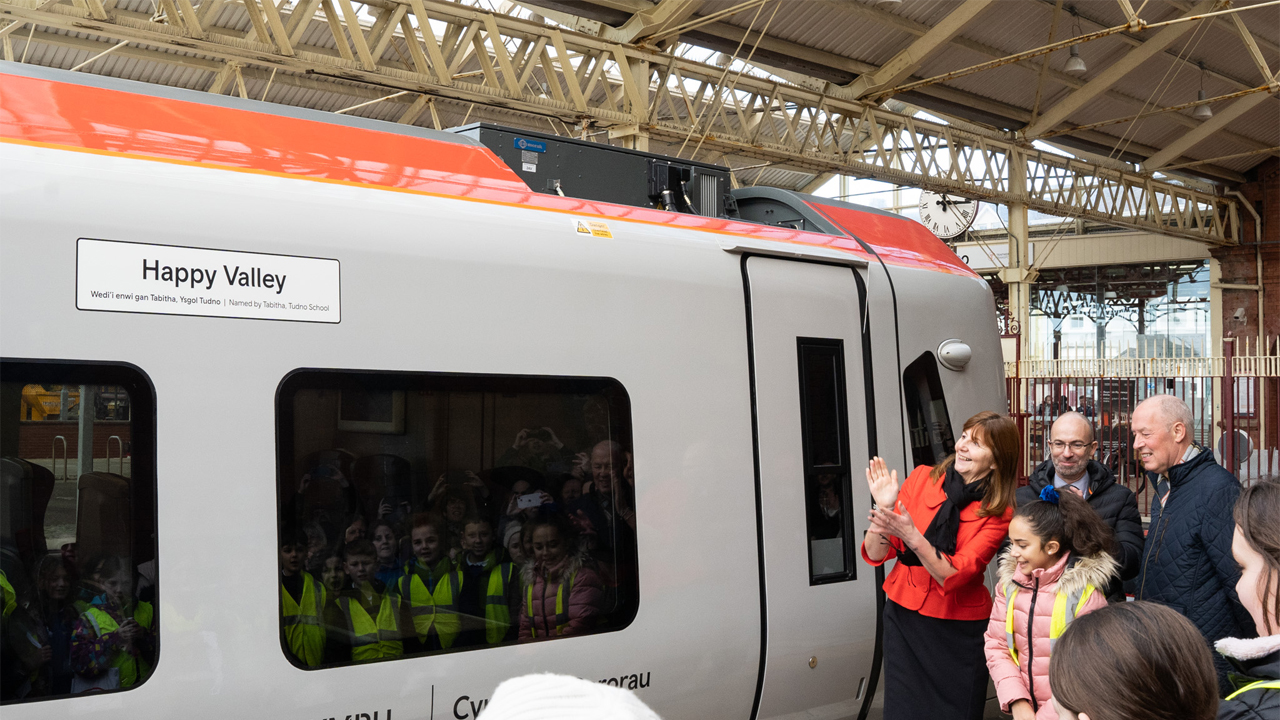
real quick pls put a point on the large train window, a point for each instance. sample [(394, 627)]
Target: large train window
[(424, 513), (931, 437), (825, 435), (77, 529)]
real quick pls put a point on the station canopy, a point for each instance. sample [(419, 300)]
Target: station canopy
[(1172, 99)]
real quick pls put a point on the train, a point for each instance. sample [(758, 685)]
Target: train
[(299, 310)]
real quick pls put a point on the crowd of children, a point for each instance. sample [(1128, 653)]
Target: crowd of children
[(73, 628), (486, 562)]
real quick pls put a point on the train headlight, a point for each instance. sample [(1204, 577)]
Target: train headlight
[(954, 354)]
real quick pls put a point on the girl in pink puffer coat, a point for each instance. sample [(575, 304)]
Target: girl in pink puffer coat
[(1056, 568), (562, 596)]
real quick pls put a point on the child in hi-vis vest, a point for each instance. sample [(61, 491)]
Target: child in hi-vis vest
[(114, 641), (1056, 568)]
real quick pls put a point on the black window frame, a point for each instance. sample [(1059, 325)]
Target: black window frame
[(142, 463), (622, 616), (844, 468), (927, 364)]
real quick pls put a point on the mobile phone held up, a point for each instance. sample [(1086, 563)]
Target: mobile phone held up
[(531, 500)]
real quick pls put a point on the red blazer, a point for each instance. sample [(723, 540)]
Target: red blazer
[(963, 596)]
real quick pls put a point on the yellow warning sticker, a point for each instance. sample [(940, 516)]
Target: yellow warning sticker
[(594, 228)]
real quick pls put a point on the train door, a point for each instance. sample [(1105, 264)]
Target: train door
[(811, 395)]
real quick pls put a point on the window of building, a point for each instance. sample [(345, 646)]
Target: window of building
[(77, 529), (825, 434), (424, 513), (930, 424)]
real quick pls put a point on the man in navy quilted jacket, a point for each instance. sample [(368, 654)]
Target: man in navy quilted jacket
[(1187, 562)]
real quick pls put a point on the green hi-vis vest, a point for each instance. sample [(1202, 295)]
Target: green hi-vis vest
[(303, 624), (562, 606), (1065, 609), (1260, 685), (133, 670), (437, 609), (497, 616), (370, 639), (8, 597)]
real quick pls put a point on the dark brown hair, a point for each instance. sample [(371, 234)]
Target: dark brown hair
[(1000, 434), (1257, 514), (1071, 521), (431, 520), (363, 548), (1134, 661)]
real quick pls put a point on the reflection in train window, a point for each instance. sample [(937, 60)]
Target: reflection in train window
[(77, 530), (931, 437), (826, 466), (424, 513)]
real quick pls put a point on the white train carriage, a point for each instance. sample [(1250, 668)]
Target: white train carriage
[(215, 298)]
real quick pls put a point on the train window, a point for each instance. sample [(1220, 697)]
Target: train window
[(425, 513), (77, 529), (931, 437), (825, 436)]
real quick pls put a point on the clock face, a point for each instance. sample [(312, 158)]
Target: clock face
[(946, 215)]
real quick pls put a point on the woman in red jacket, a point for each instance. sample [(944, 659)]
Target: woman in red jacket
[(943, 526)]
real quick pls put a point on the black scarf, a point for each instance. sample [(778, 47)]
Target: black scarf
[(942, 530)]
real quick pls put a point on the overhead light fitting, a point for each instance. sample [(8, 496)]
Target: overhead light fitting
[(1075, 65), (1202, 112), (888, 2)]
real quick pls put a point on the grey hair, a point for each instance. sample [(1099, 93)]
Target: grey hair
[(1172, 410)]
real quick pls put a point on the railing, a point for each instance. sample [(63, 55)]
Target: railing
[(1242, 423)]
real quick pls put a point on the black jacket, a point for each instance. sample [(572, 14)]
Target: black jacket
[(1115, 504), (1251, 661), (1187, 563)]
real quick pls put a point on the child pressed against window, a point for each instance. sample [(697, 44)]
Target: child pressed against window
[(430, 588), (302, 603), (113, 642), (333, 574), (362, 622), (1056, 568), (488, 590), (387, 544), (561, 595)]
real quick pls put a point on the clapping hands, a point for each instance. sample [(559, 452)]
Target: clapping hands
[(883, 483)]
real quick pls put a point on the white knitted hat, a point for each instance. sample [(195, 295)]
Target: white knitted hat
[(555, 697)]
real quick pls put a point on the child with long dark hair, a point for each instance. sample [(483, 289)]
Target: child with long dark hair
[(1057, 568), (55, 579), (1255, 662), (562, 594)]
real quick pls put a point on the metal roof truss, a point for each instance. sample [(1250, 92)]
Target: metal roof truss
[(472, 56)]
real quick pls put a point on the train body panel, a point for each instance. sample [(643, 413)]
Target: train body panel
[(436, 284)]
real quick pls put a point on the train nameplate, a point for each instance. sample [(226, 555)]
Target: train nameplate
[(115, 276)]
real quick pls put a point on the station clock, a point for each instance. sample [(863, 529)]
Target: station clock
[(946, 215)]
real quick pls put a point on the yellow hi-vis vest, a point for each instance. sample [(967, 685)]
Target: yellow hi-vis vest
[(8, 598), (437, 609), (372, 639), (497, 616), (302, 621), (1260, 685), (1065, 609), (133, 670), (562, 606)]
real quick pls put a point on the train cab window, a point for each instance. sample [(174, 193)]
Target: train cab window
[(78, 575), (931, 437), (825, 435), (427, 513)]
